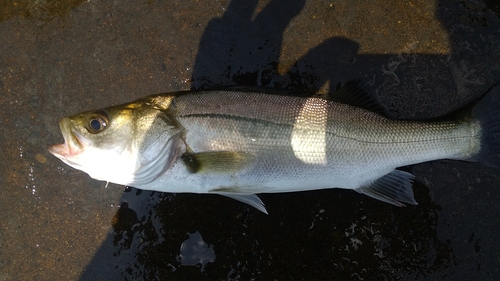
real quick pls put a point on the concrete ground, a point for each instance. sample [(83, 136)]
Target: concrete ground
[(420, 59)]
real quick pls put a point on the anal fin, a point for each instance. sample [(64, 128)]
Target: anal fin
[(394, 188)]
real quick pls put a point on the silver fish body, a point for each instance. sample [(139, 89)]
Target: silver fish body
[(305, 144), (238, 144)]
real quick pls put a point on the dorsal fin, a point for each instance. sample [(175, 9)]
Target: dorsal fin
[(352, 94)]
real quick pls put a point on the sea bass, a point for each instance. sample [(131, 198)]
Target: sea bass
[(239, 144)]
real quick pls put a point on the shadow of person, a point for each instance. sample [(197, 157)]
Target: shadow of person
[(241, 48), (414, 85), (238, 49)]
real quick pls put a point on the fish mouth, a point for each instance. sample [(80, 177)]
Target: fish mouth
[(72, 145)]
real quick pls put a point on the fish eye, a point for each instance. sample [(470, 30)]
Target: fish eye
[(97, 122)]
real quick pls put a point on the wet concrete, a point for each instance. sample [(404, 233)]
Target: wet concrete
[(420, 60)]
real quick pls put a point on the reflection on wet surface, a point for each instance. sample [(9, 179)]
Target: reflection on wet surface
[(195, 251), (360, 240), (424, 60)]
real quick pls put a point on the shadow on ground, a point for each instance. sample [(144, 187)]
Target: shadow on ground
[(331, 234)]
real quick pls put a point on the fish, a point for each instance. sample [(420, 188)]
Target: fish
[(239, 143)]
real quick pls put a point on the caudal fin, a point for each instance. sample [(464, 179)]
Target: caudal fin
[(487, 112)]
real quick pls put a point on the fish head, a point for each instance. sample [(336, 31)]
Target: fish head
[(130, 144)]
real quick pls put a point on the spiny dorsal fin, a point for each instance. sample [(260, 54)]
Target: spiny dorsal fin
[(394, 188), (217, 161), (352, 94)]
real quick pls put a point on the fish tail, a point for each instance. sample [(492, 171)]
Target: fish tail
[(487, 112)]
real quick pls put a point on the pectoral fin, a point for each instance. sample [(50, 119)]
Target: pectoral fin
[(250, 199), (217, 161), (394, 188)]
